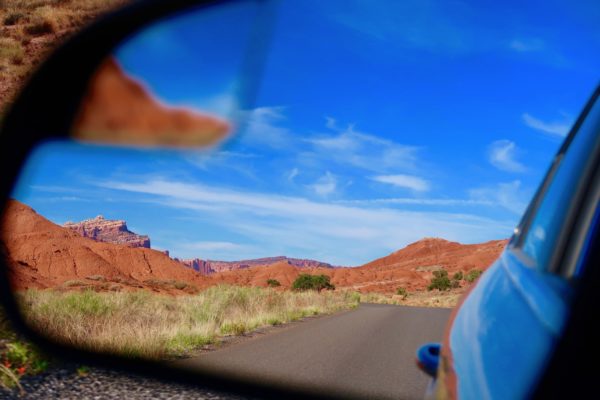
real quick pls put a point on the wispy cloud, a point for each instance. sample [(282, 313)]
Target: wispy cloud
[(503, 154), (212, 246), (293, 174), (325, 185), (365, 151), (553, 128), (420, 202), (262, 127), (407, 24), (404, 181), (509, 195), (527, 45), (342, 234)]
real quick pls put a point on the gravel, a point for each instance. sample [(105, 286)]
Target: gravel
[(66, 383)]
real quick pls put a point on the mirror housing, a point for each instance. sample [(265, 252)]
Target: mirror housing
[(45, 109)]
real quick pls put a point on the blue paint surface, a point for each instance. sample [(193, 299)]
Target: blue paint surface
[(506, 330)]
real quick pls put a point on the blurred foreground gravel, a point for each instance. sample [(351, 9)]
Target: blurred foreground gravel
[(65, 383)]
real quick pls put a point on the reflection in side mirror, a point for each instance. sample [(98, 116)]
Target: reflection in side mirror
[(177, 83), (266, 242), (120, 110)]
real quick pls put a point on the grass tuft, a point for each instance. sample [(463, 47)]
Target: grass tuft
[(148, 325)]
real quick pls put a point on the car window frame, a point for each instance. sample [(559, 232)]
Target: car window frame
[(559, 264)]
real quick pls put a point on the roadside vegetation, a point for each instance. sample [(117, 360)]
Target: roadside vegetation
[(147, 325), (441, 281), (29, 29), (17, 357), (312, 282)]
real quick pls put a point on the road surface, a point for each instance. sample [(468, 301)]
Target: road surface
[(368, 352)]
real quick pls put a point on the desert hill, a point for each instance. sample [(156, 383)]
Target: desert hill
[(411, 267), (42, 254)]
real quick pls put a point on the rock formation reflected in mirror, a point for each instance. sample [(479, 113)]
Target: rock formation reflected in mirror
[(119, 109)]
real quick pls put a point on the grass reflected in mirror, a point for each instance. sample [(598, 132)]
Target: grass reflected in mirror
[(147, 325)]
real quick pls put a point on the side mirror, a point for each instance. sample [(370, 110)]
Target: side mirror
[(85, 94)]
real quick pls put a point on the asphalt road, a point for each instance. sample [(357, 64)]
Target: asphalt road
[(368, 352)]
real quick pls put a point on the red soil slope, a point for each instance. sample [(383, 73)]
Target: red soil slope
[(42, 254), (411, 267), (118, 109)]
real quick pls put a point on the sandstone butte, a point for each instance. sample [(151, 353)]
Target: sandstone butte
[(120, 109), (109, 231), (41, 254), (210, 266)]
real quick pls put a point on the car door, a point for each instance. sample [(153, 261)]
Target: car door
[(503, 335)]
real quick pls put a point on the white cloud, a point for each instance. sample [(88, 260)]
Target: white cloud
[(330, 123), (404, 181), (553, 128), (211, 246), (421, 202), (502, 155), (509, 195), (526, 45), (325, 185), (372, 153), (293, 174), (338, 233), (260, 127)]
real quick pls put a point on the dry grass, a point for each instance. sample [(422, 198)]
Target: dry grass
[(142, 324), (447, 299), (29, 29)]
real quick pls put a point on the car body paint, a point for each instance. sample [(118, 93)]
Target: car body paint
[(504, 331)]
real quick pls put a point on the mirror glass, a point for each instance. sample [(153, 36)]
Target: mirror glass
[(295, 193)]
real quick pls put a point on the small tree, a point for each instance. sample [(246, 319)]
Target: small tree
[(473, 275), (273, 282), (402, 292), (312, 282), (440, 280), (456, 278)]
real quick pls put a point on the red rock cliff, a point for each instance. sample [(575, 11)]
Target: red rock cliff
[(108, 231)]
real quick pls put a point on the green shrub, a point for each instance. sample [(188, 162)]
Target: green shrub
[(473, 275), (312, 282), (402, 292), (440, 280), (273, 282), (458, 276)]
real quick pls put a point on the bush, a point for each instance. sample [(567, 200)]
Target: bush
[(273, 282), (458, 276), (473, 275), (440, 280), (402, 292), (312, 282), (13, 18)]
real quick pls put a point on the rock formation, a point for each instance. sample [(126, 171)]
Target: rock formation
[(120, 109), (41, 254), (109, 231)]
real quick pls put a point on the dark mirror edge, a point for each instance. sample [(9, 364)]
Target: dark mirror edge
[(34, 117)]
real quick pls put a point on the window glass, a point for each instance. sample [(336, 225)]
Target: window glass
[(543, 232)]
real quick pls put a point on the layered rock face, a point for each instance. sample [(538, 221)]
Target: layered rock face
[(108, 231), (41, 254), (211, 266), (198, 265)]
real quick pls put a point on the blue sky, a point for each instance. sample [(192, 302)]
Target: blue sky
[(375, 124)]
